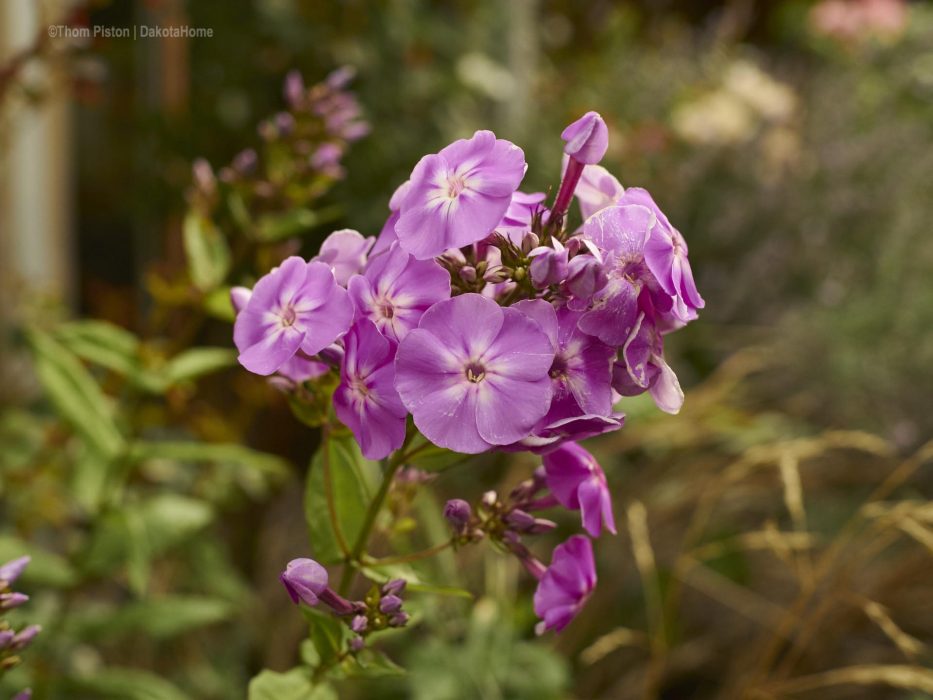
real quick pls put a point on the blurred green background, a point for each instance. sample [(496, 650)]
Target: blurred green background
[(776, 531)]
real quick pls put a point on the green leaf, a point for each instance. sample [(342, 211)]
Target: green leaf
[(75, 394), (371, 663), (196, 362), (353, 479), (207, 252), (432, 458), (217, 303), (45, 569), (102, 343), (136, 534), (125, 684), (327, 633), (161, 618), (291, 685), (275, 227)]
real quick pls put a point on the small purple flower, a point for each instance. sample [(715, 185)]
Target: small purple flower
[(596, 190), (642, 367), (23, 695), (397, 289), (345, 251), (394, 587), (305, 580), (586, 139), (11, 571), (399, 619), (475, 375), (566, 584), (459, 195), (458, 513), (549, 264), (581, 372), (359, 623), (577, 481), (366, 400), (6, 636), (666, 257), (298, 305), (294, 89)]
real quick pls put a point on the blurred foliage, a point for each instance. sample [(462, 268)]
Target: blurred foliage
[(770, 545)]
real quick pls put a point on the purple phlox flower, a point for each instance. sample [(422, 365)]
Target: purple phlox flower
[(581, 372), (24, 637), (596, 190), (12, 570), (475, 375), (549, 264), (459, 195), (23, 694), (666, 257), (577, 481), (298, 305), (516, 221), (566, 584), (621, 234), (366, 400), (549, 436), (397, 289), (387, 235), (345, 251), (586, 139), (305, 580), (301, 368), (642, 367)]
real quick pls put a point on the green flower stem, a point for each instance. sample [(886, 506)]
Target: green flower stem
[(390, 467)]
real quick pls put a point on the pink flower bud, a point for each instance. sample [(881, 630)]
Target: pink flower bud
[(587, 139)]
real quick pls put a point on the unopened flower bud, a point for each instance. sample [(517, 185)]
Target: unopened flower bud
[(530, 241), (497, 275), (549, 265), (585, 276), (390, 604), (24, 637), (245, 162), (6, 636), (467, 274), (357, 644), (399, 619), (305, 580), (573, 245), (458, 514), (394, 587), (294, 89), (586, 139), (519, 520), (9, 601), (11, 571), (23, 695), (285, 123), (489, 499), (359, 624), (203, 176)]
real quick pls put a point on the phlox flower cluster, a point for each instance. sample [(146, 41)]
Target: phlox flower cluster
[(481, 315)]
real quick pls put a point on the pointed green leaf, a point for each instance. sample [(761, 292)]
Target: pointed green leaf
[(207, 252)]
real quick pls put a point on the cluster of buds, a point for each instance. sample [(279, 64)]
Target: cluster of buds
[(11, 641), (307, 582), (301, 152)]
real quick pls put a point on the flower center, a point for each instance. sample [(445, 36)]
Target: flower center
[(358, 386), (455, 185), (385, 309), (475, 372), (558, 367), (288, 316)]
